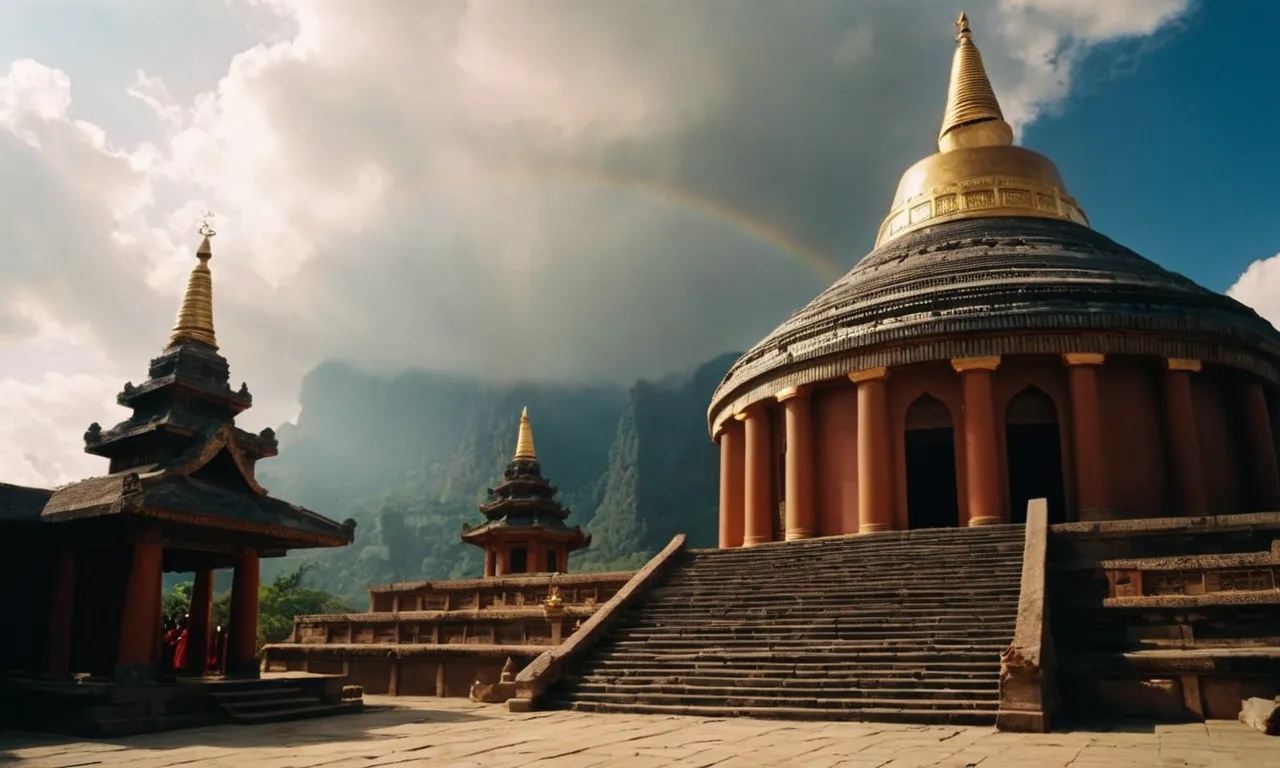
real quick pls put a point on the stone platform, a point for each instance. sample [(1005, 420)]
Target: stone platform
[(455, 733)]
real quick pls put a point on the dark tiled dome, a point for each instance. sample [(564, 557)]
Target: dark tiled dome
[(978, 286)]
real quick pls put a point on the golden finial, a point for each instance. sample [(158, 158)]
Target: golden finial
[(524, 442), (973, 117), (195, 317)]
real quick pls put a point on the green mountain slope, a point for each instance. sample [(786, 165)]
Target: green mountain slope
[(409, 457)]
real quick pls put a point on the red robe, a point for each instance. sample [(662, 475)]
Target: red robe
[(180, 651)]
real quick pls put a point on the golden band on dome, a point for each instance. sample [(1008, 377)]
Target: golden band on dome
[(977, 172)]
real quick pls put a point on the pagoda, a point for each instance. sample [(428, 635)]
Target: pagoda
[(524, 530), (180, 495)]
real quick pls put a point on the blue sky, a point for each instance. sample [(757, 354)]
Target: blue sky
[(1176, 153)]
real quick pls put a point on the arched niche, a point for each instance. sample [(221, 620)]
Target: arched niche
[(1033, 450), (929, 439)]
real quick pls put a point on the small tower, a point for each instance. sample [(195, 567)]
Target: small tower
[(524, 530)]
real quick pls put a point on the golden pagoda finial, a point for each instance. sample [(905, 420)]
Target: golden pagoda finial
[(973, 117), (524, 442), (195, 317)]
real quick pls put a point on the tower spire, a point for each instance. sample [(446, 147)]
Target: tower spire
[(195, 317), (973, 117), (524, 441)]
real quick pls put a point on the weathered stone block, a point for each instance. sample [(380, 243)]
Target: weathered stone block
[(1263, 714)]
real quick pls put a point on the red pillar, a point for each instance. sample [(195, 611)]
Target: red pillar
[(242, 640), (61, 614), (1184, 446), (982, 457), (1092, 500), (732, 484), (875, 449), (1261, 449), (200, 622), (799, 475), (758, 527), (140, 626), (488, 562)]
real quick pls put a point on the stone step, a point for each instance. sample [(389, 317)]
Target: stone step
[(938, 598), (637, 657), (673, 615), (298, 713), (901, 715), (775, 699), (238, 695), (963, 562), (835, 671), (815, 625), (269, 704), (766, 633), (640, 690), (851, 648), (819, 680)]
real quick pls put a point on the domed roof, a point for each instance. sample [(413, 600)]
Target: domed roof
[(984, 253), (975, 287)]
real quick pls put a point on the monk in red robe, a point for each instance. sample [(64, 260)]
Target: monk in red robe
[(180, 646)]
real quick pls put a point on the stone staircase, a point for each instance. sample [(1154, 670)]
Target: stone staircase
[(273, 701), (903, 626)]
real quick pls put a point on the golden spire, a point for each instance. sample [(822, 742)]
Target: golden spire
[(524, 442), (195, 318), (973, 117)]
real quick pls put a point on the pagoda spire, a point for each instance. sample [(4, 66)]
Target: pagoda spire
[(973, 117), (195, 317), (524, 441)]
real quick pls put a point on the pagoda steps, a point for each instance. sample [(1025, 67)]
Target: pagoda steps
[(273, 701), (849, 628)]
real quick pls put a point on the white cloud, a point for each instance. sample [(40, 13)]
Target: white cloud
[(567, 188), (1259, 287)]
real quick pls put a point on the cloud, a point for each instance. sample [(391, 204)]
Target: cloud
[(553, 190), (1259, 287)]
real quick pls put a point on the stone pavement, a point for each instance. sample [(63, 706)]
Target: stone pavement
[(455, 732)]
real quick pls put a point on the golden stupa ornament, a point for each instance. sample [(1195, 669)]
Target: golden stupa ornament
[(524, 441), (195, 317), (977, 172)]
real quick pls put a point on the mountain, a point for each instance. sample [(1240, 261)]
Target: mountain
[(410, 456)]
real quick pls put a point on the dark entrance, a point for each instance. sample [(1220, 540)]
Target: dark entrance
[(1033, 445), (932, 497), (553, 562), (519, 560)]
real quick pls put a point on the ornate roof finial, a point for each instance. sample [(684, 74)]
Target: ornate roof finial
[(973, 117), (524, 441), (195, 317)]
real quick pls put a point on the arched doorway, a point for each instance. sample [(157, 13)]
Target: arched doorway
[(1033, 445), (932, 497)]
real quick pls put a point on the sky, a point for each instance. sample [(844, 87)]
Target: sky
[(559, 190)]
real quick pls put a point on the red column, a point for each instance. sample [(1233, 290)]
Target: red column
[(1086, 435), (757, 527), (61, 614), (732, 484), (875, 449), (140, 625), (242, 640), (982, 457), (488, 562), (1184, 446), (200, 622), (1261, 449), (799, 474)]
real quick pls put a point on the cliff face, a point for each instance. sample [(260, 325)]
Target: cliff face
[(410, 456)]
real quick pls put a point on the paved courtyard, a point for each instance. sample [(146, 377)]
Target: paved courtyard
[(453, 732)]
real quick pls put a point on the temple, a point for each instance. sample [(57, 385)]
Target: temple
[(992, 349), (466, 637), (524, 531), (1005, 471), (180, 495)]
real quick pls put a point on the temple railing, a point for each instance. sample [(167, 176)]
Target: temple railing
[(534, 680), (1027, 687)]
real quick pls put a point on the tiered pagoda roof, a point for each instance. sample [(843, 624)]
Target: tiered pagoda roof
[(524, 502), (180, 457)]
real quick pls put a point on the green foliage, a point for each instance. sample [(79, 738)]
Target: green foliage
[(279, 602), (409, 458)]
